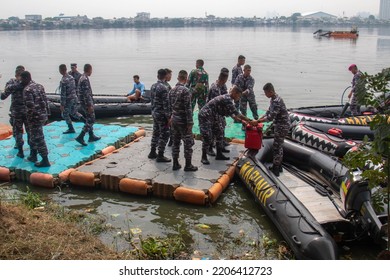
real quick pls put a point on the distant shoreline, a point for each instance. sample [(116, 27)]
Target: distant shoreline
[(83, 22)]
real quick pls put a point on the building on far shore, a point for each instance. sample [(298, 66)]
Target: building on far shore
[(384, 9), (318, 15), (33, 17)]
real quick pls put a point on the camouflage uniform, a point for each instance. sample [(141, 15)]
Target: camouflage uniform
[(37, 114), (86, 101), (220, 106), (247, 83), (17, 109), (236, 71), (198, 83), (215, 91), (277, 113), (355, 107), (160, 114), (76, 76), (69, 98), (181, 111)]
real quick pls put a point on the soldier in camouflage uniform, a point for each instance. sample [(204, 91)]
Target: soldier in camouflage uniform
[(198, 83), (246, 82), (236, 71), (219, 106), (161, 117), (69, 99), (75, 74), (218, 88), (277, 113), (17, 108), (37, 114), (87, 103), (355, 107), (168, 78), (181, 122)]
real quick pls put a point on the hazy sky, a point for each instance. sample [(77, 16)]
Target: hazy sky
[(184, 8)]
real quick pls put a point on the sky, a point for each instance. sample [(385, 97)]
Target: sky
[(184, 8)]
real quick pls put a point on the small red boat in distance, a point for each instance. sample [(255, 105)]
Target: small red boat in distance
[(352, 34)]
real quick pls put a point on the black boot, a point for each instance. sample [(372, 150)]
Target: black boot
[(176, 164), (152, 154), (93, 137), (80, 138), (275, 169), (224, 150), (189, 166), (70, 129), (43, 163), (33, 156), (204, 159), (20, 152), (220, 155), (211, 152), (161, 158)]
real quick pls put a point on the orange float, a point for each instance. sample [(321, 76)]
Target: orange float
[(139, 133), (190, 196), (5, 131), (64, 175), (5, 174), (133, 186), (108, 150), (215, 192), (224, 180), (86, 179), (42, 180)]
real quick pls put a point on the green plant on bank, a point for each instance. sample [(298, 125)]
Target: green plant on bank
[(372, 157), (31, 200)]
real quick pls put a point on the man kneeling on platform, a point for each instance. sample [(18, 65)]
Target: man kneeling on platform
[(222, 105)]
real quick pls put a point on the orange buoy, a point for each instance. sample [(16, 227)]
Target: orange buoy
[(5, 131), (86, 179), (5, 174), (108, 150), (224, 180), (215, 191), (231, 172), (139, 133), (64, 175), (42, 180), (133, 186), (190, 196), (238, 141)]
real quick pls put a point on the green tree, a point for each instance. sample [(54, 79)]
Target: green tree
[(372, 157)]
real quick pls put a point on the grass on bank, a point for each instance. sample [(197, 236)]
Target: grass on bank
[(34, 229)]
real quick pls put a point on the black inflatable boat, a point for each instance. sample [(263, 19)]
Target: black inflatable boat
[(313, 202), (107, 106)]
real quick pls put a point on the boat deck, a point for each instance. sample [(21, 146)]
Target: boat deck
[(319, 206)]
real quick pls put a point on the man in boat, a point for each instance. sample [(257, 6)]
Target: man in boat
[(277, 113), (87, 106), (68, 99), (37, 111), (222, 105), (138, 90), (236, 71), (161, 117), (216, 89), (355, 107), (246, 82), (181, 122), (75, 73), (17, 109), (198, 83)]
